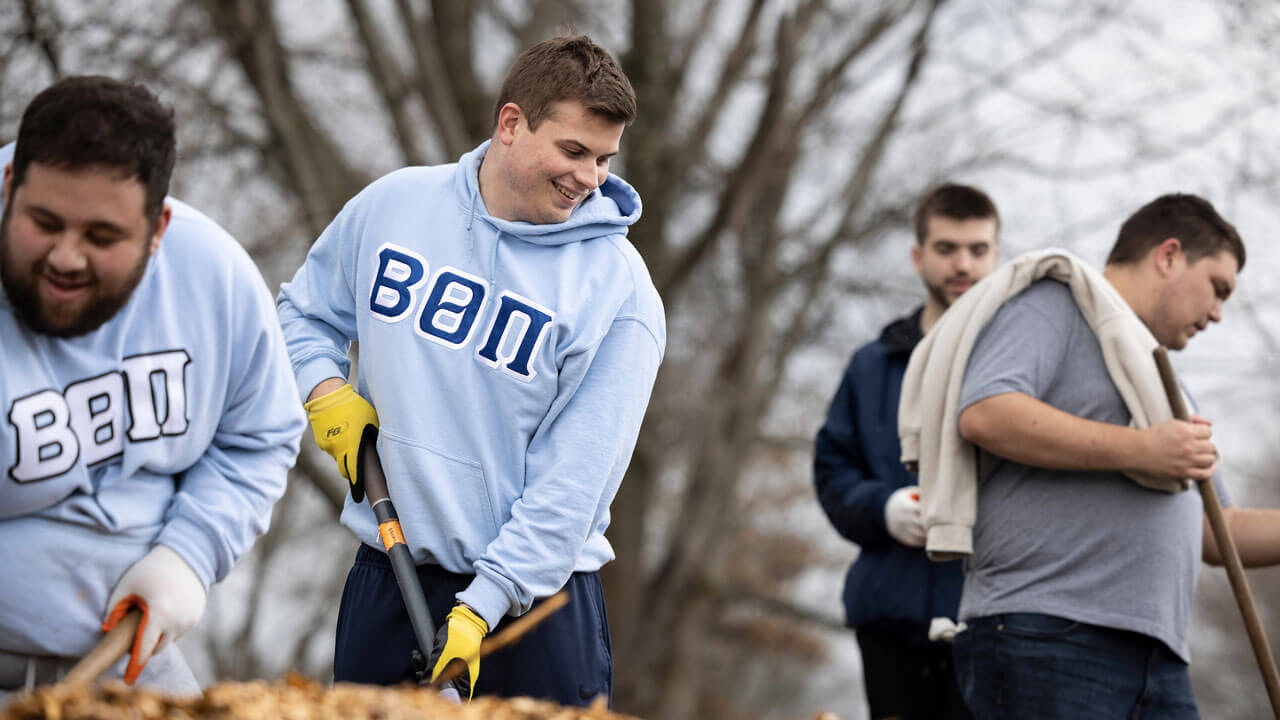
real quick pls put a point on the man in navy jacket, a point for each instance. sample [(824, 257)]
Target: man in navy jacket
[(893, 591)]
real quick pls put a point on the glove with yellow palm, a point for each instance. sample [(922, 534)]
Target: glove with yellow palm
[(458, 641), (338, 419)]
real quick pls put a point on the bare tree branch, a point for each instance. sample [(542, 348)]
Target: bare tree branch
[(736, 594), (42, 37), (388, 80), (691, 150), (737, 194), (820, 267), (324, 179), (683, 53), (870, 35)]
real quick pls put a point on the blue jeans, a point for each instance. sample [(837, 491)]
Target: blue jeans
[(1019, 666)]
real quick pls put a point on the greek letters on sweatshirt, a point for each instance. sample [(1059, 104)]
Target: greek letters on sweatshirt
[(176, 422), (510, 365)]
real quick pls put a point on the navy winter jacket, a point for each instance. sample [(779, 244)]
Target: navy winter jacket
[(856, 467)]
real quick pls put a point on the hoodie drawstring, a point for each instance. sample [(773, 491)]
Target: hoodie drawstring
[(471, 241), (493, 259), (471, 218)]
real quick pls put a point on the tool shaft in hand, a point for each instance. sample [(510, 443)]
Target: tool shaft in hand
[(1226, 547)]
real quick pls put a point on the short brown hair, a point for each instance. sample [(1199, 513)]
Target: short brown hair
[(958, 202), (567, 68), (1189, 218), (92, 120)]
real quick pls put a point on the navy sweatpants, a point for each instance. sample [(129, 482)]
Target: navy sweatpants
[(566, 658)]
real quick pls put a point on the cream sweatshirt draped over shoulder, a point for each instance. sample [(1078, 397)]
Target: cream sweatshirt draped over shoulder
[(928, 413)]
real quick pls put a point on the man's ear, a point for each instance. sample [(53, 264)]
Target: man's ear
[(917, 257), (162, 223), (510, 119), (1167, 255), (8, 180)]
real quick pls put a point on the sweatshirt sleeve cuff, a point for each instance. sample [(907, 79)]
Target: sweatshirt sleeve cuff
[(183, 537), (949, 542), (487, 598), (311, 373)]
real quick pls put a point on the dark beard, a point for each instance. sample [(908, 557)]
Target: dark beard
[(939, 295), (25, 300)]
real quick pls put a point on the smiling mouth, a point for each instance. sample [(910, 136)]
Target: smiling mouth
[(564, 193), (62, 289)]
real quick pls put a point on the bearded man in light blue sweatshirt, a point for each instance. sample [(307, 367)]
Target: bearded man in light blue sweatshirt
[(150, 424), (509, 337)]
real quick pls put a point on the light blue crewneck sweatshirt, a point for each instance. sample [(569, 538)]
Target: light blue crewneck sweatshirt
[(176, 423), (510, 365)]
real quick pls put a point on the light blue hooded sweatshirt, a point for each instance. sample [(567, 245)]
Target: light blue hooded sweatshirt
[(174, 423), (510, 365)]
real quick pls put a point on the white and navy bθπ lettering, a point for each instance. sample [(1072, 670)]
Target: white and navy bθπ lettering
[(450, 308)]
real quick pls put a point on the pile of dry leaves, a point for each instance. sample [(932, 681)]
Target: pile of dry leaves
[(295, 698)]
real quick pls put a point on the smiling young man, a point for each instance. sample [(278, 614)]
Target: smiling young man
[(57, 288), (893, 591), (147, 435), (1081, 584), (509, 337)]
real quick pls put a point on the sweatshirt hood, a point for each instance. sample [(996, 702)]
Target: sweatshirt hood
[(608, 210)]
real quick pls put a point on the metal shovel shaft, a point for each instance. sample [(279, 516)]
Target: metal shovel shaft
[(406, 571), (375, 489)]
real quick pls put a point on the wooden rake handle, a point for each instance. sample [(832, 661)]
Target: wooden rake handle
[(109, 649), (1227, 547)]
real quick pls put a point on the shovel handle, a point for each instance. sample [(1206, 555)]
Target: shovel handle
[(1227, 548), (109, 649), (406, 572)]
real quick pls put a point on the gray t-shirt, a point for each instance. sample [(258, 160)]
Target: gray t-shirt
[(1093, 547)]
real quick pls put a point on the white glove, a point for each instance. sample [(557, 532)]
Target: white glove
[(902, 516), (945, 629), (170, 596)]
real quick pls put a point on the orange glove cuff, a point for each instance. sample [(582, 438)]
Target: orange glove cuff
[(134, 668)]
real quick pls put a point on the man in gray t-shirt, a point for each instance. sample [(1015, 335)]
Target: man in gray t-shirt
[(1081, 584), (1086, 545)]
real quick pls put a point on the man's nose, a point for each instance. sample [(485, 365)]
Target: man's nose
[(67, 255), (1215, 314), (587, 175)]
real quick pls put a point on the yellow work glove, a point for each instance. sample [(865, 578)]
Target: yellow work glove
[(338, 419), (459, 639)]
